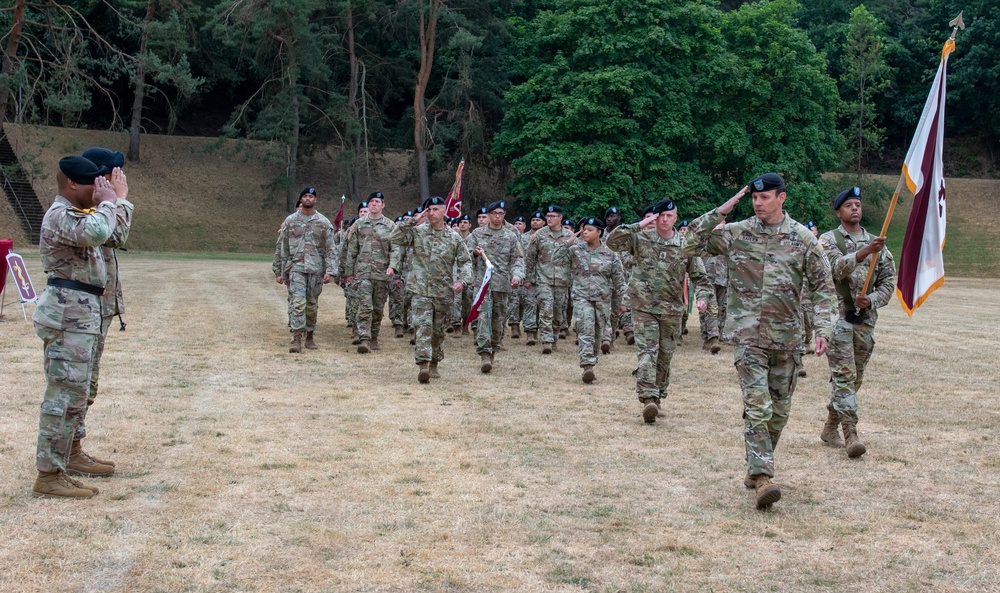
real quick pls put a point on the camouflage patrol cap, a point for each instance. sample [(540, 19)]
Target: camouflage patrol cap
[(362, 205), (375, 194), (663, 206), (767, 182), (102, 157), (853, 193), (498, 205), (81, 170)]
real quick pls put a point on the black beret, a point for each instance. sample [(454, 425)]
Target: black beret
[(399, 219), (767, 182), (520, 219), (568, 222), (352, 221), (663, 206), (376, 194), (362, 205), (810, 224), (853, 193), (537, 214), (464, 217), (482, 210), (408, 213), (81, 170), (102, 157), (594, 222), (434, 201), (647, 211), (553, 209), (683, 223), (418, 210), (309, 190), (612, 210), (298, 202), (498, 205)]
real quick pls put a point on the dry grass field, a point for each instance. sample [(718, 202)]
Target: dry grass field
[(244, 468)]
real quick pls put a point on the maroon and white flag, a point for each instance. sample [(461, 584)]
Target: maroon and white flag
[(477, 303), (453, 207), (921, 262)]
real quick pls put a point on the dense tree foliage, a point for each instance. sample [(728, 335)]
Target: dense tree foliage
[(591, 103)]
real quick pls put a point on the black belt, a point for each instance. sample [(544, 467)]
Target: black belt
[(88, 288)]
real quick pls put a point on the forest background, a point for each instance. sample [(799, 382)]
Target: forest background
[(581, 102)]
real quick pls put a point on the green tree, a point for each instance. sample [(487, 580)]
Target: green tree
[(865, 76)]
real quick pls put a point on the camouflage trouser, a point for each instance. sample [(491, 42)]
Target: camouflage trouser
[(808, 321), (461, 305), (713, 318), (529, 309), (514, 305), (620, 321), (303, 300), (430, 317), (568, 316), (655, 339), (81, 430), (397, 302), (552, 301), (767, 378), (351, 304), (371, 302), (68, 365), (849, 353), (590, 321), (492, 316)]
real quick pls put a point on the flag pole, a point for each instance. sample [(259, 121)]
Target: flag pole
[(956, 24)]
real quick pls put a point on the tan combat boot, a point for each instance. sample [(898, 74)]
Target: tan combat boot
[(855, 448), (486, 362), (749, 481), (85, 465), (296, 345), (650, 410), (768, 493), (374, 344), (355, 337), (433, 370), (562, 334), (515, 332), (99, 460), (54, 484), (588, 373), (364, 347), (605, 347), (548, 347), (532, 338), (712, 345), (629, 338), (310, 343), (830, 434), (424, 374), (399, 331)]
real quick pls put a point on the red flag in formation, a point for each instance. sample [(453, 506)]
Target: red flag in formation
[(477, 302), (921, 262), (453, 207), (339, 219)]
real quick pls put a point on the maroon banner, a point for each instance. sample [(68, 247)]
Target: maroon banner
[(20, 274), (6, 246)]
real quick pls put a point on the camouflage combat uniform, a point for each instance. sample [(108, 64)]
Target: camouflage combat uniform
[(435, 254), (503, 247), (68, 321), (597, 275), (529, 295), (852, 344), (368, 253), (656, 296), (768, 267), (462, 303), (350, 292), (620, 321), (713, 317), (305, 252), (547, 261), (113, 299), (518, 304)]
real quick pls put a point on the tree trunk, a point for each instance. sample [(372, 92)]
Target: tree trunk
[(9, 61), (428, 28), (354, 125), (140, 86), (293, 146)]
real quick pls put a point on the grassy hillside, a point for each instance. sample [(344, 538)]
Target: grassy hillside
[(190, 198)]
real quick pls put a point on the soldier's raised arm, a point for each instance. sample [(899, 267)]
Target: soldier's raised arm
[(401, 238), (706, 235)]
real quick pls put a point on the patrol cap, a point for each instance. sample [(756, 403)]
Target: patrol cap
[(537, 214), (612, 210), (102, 157), (309, 190), (767, 182), (362, 205), (375, 194), (597, 223), (498, 205), (663, 206), (80, 169), (853, 193), (482, 210), (434, 201), (553, 209)]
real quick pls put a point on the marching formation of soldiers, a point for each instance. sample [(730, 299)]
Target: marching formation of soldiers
[(765, 285)]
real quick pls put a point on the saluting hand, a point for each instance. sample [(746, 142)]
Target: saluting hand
[(103, 192), (728, 206), (119, 183), (650, 219)]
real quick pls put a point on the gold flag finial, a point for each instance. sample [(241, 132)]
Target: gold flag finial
[(957, 23)]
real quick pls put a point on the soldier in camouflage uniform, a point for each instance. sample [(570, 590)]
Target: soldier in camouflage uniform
[(396, 300), (503, 247), (112, 301), (762, 313), (597, 275), (368, 252), (517, 294), (306, 260), (808, 321), (655, 293), (350, 288), (529, 308), (463, 301), (619, 321), (68, 315), (547, 262), (850, 250), (713, 318), (437, 251)]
